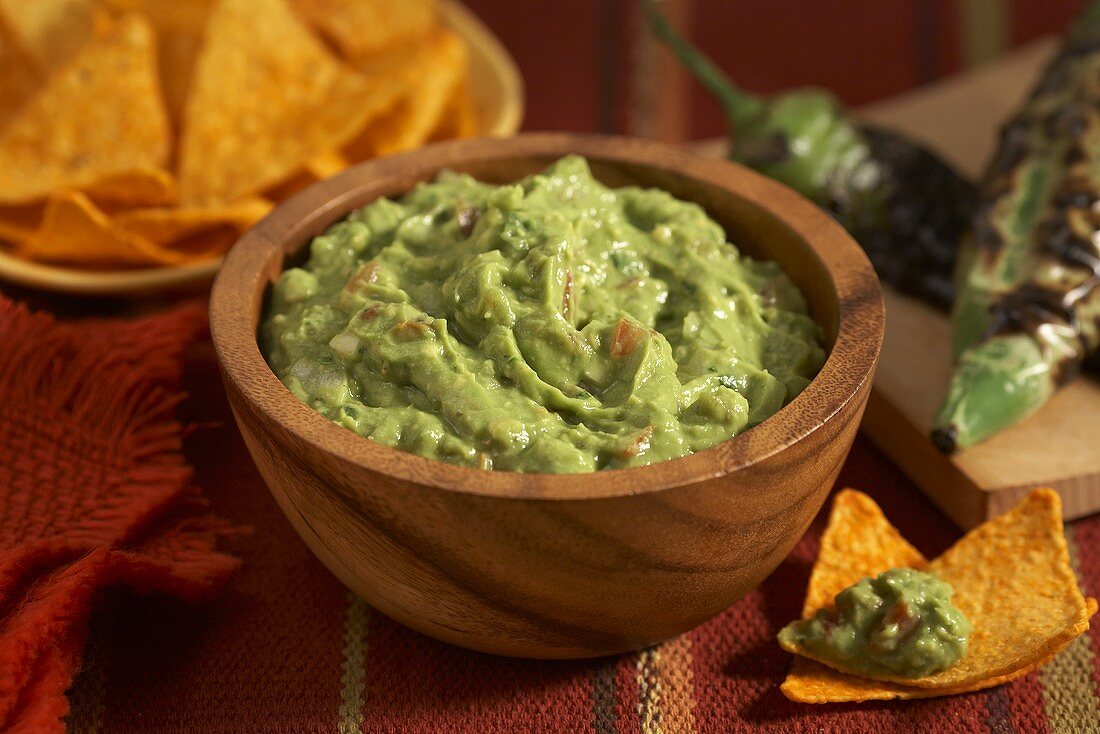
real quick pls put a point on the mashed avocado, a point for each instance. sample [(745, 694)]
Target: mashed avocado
[(552, 325), (900, 623)]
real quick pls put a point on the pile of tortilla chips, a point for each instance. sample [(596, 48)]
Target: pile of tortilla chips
[(1012, 579), (138, 133)]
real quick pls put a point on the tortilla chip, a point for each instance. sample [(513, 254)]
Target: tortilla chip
[(168, 226), (17, 81), (857, 543), (147, 187), (207, 244), (459, 119), (361, 27), (811, 682), (49, 32), (318, 168), (18, 223), (100, 116), (1020, 556), (178, 25), (326, 164), (431, 70), (266, 96), (75, 231)]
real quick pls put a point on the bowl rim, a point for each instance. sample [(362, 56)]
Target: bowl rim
[(246, 272)]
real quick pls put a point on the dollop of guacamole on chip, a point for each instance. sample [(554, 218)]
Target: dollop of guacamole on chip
[(901, 622)]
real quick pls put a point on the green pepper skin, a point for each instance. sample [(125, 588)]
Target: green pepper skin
[(805, 139), (1028, 309), (995, 384), (904, 205)]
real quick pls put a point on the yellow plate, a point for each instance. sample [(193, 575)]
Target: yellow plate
[(497, 90)]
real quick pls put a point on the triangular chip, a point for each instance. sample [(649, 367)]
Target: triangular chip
[(266, 96), (858, 542), (179, 26), (75, 231), (326, 164), (811, 682), (1014, 582), (17, 81), (146, 187), (317, 168), (101, 115), (207, 244), (459, 117), (1012, 579), (49, 32), (362, 27), (167, 226), (432, 69), (18, 223)]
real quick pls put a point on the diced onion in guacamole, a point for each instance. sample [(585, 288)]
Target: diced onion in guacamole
[(552, 325)]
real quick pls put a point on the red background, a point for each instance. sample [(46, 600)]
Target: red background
[(576, 55)]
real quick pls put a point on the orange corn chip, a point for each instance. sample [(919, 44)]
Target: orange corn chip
[(1012, 580), (17, 81), (266, 96), (326, 164), (361, 27), (811, 682), (167, 226), (74, 230), (207, 244), (179, 26), (99, 117), (317, 169), (145, 187), (48, 32), (858, 542), (18, 223), (459, 118), (433, 67)]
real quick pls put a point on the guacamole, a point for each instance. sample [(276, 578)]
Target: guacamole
[(901, 623), (551, 325)]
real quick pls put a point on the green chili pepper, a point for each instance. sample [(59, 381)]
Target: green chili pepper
[(904, 205), (1028, 311)]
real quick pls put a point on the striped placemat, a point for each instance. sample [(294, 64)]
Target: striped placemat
[(288, 649)]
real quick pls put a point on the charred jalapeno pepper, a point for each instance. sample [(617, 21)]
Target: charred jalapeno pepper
[(1028, 311), (905, 206)]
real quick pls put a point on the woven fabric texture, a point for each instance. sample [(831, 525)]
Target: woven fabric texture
[(94, 492), (287, 649)]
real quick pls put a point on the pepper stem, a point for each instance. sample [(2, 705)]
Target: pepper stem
[(739, 106)]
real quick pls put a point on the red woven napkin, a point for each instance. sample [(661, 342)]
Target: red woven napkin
[(94, 491)]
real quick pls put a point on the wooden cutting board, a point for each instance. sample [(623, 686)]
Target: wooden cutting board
[(1059, 446)]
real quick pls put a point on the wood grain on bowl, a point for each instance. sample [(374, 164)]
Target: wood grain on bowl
[(544, 565)]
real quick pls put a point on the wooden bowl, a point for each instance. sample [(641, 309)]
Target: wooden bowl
[(545, 565), (497, 91)]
